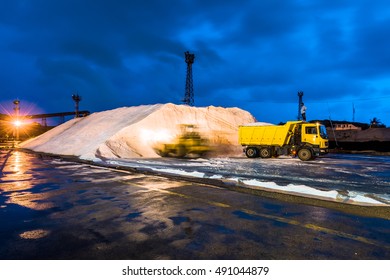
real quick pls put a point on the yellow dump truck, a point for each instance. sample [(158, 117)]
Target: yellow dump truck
[(306, 140)]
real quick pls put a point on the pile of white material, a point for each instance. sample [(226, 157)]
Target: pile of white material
[(133, 131)]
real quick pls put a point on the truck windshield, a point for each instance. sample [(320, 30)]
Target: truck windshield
[(323, 133)]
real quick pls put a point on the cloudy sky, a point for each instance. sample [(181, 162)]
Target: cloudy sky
[(254, 54)]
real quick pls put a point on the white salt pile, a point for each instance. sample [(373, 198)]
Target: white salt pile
[(130, 132)]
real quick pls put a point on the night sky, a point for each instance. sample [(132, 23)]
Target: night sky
[(252, 54)]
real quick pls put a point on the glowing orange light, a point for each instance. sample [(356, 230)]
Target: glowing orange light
[(17, 123)]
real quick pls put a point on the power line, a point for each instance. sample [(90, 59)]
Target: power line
[(351, 100)]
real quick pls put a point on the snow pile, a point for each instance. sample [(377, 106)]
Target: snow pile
[(133, 131)]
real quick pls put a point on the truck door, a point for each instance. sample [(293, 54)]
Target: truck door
[(310, 135), (296, 136)]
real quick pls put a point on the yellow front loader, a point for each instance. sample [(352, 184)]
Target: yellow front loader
[(188, 144)]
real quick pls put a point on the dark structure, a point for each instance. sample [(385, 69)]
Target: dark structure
[(189, 92), (43, 116), (360, 138), (300, 95), (9, 131), (15, 127), (62, 115), (76, 98)]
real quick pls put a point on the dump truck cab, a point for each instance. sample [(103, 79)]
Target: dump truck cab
[(313, 140)]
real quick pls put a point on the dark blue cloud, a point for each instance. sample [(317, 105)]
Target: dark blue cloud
[(250, 54)]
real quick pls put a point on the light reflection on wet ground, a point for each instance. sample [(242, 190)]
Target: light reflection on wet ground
[(34, 234), (52, 209), (18, 180)]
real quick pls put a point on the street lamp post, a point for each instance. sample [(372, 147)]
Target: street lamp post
[(16, 121)]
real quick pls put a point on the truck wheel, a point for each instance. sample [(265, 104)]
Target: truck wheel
[(305, 154), (265, 153), (251, 152)]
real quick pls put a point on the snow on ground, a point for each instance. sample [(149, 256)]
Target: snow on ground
[(193, 168), (131, 132)]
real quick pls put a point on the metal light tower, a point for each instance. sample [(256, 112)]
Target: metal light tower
[(76, 98), (300, 95), (189, 92)]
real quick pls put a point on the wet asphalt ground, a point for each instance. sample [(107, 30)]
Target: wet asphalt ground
[(56, 209)]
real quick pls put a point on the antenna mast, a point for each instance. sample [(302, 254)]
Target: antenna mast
[(189, 91)]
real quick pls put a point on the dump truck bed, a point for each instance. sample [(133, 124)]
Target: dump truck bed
[(270, 135)]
